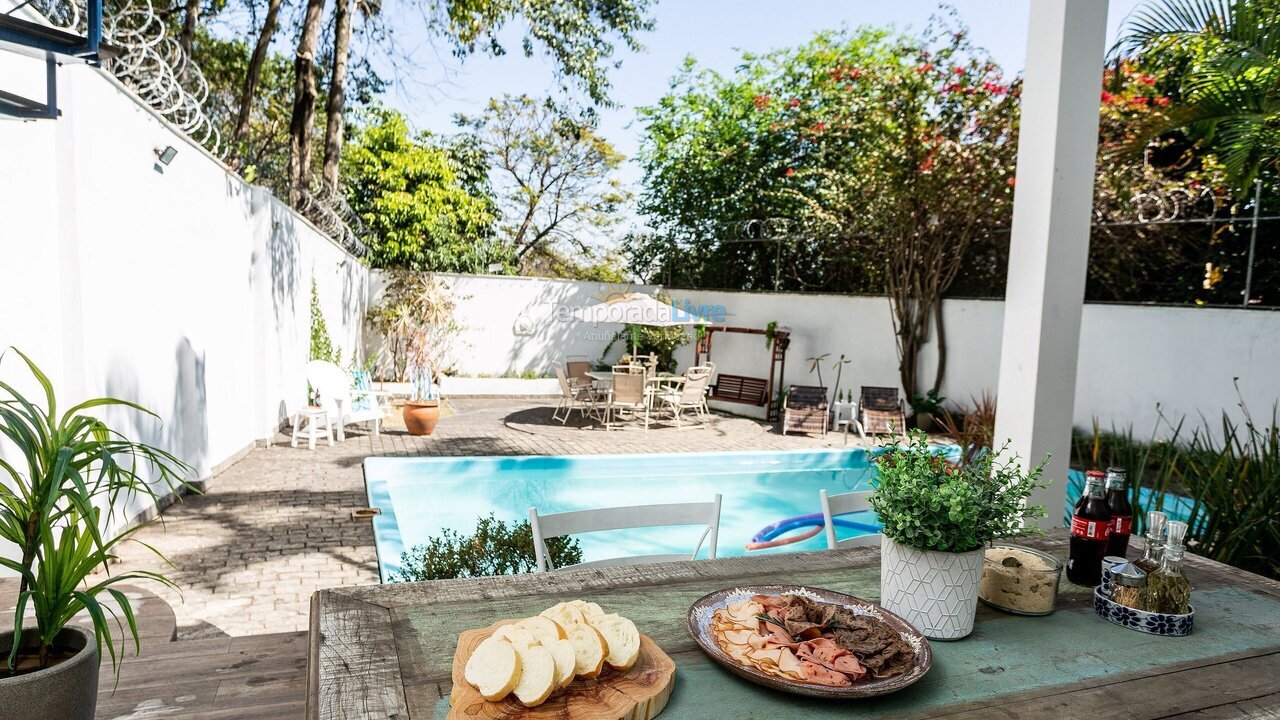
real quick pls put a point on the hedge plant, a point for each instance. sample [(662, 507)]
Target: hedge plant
[(495, 548), (926, 502)]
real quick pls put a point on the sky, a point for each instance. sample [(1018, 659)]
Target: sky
[(716, 32)]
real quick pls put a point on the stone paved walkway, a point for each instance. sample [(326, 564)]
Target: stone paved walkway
[(276, 526)]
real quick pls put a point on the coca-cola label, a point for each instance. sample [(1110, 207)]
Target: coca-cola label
[(1121, 525), (1090, 529)]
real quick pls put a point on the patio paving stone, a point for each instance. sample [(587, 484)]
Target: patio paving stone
[(276, 526)]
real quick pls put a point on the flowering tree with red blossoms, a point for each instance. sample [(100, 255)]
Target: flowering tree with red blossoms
[(892, 157)]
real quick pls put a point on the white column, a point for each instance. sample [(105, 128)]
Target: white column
[(1050, 238)]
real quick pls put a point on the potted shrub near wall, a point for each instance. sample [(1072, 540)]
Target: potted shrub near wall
[(69, 475), (928, 409), (415, 319), (937, 518)]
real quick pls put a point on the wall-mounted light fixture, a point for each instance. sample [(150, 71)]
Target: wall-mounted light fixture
[(166, 154)]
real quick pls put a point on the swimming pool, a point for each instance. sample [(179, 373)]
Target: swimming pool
[(419, 497)]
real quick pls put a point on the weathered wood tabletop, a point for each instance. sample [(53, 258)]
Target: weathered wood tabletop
[(386, 651)]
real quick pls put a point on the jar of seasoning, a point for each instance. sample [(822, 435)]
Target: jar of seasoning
[(1129, 583)]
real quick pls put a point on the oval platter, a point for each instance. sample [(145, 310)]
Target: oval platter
[(701, 612)]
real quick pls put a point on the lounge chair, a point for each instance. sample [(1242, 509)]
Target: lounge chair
[(628, 393), (573, 396), (804, 409), (880, 412), (617, 518)]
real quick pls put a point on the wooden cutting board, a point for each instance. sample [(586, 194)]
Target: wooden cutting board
[(637, 694)]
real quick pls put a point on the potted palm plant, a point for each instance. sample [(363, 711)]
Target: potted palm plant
[(937, 518), (65, 482), (415, 319)]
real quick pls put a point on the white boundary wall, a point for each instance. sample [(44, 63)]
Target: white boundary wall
[(182, 288), (1133, 357)]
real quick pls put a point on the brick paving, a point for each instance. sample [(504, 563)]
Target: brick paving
[(276, 526)]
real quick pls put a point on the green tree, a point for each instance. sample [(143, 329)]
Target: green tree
[(1225, 58), (555, 181), (579, 37), (425, 202), (888, 160)]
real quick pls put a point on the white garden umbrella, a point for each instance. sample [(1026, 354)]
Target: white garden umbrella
[(637, 309)]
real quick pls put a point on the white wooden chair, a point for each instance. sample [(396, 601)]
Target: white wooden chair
[(339, 398), (833, 505), (618, 518)]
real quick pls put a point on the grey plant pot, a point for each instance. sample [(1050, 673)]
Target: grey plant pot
[(68, 690)]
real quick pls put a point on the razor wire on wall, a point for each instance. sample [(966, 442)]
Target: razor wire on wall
[(151, 63)]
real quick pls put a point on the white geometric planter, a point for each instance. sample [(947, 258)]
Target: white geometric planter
[(937, 592)]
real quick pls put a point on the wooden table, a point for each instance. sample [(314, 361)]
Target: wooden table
[(385, 651)]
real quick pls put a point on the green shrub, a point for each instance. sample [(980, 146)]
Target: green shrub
[(1231, 473), (928, 503), (495, 548)]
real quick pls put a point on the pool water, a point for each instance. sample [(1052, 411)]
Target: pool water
[(419, 497)]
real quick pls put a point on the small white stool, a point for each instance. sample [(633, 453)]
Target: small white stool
[(316, 417)]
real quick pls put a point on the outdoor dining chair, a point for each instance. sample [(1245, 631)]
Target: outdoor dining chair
[(618, 518), (577, 367), (629, 392), (842, 504), (689, 392), (573, 396)]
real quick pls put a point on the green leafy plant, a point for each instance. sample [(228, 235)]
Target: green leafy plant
[(495, 548), (928, 503), (73, 472), (415, 319), (973, 427), (321, 344), (1230, 471), (931, 402), (769, 331)]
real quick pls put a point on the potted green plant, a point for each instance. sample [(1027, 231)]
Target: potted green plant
[(415, 319), (928, 408), (937, 517), (66, 480)]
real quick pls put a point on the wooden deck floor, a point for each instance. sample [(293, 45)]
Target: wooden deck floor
[(258, 677)]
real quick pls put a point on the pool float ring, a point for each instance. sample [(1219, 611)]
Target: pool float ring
[(769, 536)]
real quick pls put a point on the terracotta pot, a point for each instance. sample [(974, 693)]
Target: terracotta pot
[(67, 690), (420, 418)]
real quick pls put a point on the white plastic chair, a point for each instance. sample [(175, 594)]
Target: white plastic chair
[(618, 518), (338, 397), (833, 505)]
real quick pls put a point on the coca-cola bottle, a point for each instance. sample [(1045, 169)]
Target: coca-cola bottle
[(1121, 511), (1090, 526)]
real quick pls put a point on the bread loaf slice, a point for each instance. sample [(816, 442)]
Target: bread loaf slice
[(589, 650), (551, 636), (564, 614), (494, 668), (621, 638), (537, 675)]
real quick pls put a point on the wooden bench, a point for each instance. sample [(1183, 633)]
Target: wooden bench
[(740, 389)]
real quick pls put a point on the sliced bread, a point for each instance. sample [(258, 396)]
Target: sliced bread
[(517, 635), (621, 638), (537, 675), (552, 637), (494, 668), (565, 614), (589, 650)]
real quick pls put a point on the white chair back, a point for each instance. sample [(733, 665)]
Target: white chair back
[(333, 384), (618, 518), (841, 504), (694, 388)]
